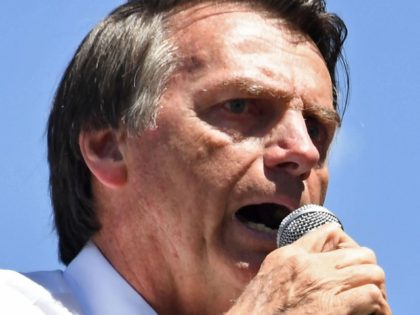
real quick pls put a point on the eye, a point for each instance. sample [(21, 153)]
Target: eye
[(315, 130), (237, 106)]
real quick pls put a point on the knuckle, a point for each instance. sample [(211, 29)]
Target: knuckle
[(288, 265), (377, 274), (271, 256), (369, 253), (373, 292), (380, 273), (284, 253), (289, 257), (333, 229), (269, 260), (297, 262), (278, 256)]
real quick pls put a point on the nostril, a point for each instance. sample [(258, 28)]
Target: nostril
[(290, 165), (298, 158), (296, 168), (305, 175)]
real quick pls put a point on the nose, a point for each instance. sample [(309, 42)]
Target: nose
[(290, 147)]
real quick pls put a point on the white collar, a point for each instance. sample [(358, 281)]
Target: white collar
[(100, 289)]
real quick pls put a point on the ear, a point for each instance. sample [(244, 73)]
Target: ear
[(102, 152)]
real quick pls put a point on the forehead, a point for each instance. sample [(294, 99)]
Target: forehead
[(212, 26), (238, 39)]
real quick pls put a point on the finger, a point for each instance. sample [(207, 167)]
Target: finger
[(361, 275), (346, 257), (326, 238), (367, 299)]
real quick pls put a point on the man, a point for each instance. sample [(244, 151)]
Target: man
[(180, 136)]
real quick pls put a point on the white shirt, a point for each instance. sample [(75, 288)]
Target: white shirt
[(89, 286)]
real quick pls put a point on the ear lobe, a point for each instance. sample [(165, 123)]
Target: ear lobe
[(101, 151)]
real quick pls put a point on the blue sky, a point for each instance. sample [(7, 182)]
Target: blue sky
[(374, 163)]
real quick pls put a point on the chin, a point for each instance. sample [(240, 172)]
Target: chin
[(241, 271)]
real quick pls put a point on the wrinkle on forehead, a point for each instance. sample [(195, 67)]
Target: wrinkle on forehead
[(209, 41), (186, 18), (186, 15)]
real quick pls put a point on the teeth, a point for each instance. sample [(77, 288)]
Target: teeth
[(260, 227)]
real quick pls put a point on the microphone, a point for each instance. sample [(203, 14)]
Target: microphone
[(302, 221)]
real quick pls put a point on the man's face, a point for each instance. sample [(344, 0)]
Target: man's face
[(242, 134)]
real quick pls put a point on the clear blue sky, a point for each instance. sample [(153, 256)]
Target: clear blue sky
[(374, 165)]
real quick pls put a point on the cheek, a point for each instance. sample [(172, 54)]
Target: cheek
[(324, 186), (317, 185), (203, 153)]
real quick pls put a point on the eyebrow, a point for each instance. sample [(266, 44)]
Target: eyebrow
[(249, 87), (326, 115), (252, 88)]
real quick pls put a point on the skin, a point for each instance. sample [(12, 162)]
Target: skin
[(247, 119)]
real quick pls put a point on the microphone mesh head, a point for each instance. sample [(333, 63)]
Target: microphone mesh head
[(301, 221)]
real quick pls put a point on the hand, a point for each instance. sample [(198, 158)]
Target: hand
[(324, 272)]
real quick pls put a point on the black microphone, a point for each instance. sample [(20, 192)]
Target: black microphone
[(302, 221)]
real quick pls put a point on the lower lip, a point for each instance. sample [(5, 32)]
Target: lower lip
[(254, 239)]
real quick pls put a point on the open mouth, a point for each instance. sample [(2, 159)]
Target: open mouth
[(264, 217)]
